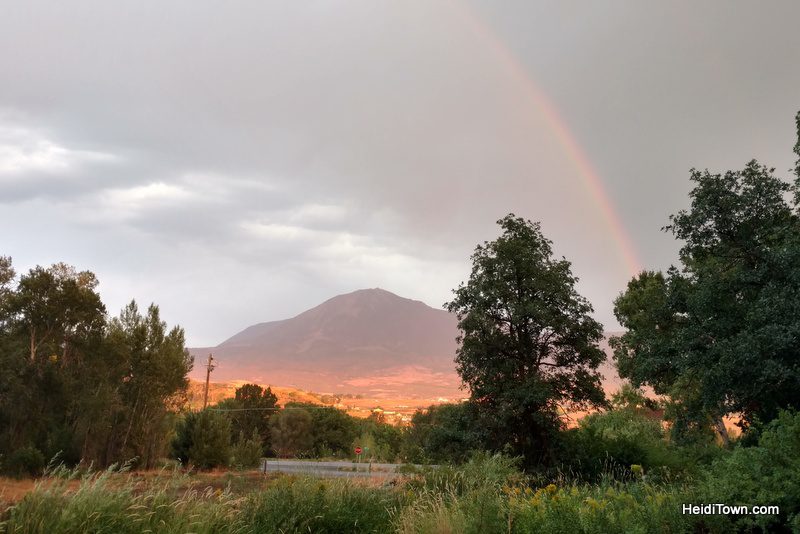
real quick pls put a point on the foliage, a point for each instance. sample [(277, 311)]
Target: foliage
[(528, 345), (291, 431), (468, 498), (609, 443), (250, 410), (313, 505), (24, 462), (183, 439), (246, 452), (600, 509), (100, 506), (720, 334), (768, 473), (93, 389), (380, 440), (154, 364), (332, 430), (51, 326), (487, 494), (211, 440), (443, 434)]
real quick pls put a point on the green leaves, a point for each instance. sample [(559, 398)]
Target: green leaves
[(528, 343), (721, 334)]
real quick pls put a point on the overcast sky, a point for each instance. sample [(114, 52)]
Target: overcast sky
[(238, 162)]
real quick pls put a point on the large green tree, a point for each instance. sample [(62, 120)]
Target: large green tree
[(721, 333), (74, 382), (51, 329), (153, 362), (250, 410), (528, 344)]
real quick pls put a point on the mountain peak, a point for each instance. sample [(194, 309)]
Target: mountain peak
[(339, 343)]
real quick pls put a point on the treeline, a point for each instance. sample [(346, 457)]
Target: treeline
[(77, 384), (239, 431)]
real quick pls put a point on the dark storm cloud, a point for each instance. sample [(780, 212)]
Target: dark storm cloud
[(241, 162)]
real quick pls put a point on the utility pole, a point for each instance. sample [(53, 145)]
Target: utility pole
[(209, 367)]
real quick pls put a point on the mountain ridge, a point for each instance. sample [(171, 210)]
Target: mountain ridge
[(368, 341)]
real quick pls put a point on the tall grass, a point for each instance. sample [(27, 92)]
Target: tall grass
[(486, 495), (107, 502), (102, 503), (322, 506)]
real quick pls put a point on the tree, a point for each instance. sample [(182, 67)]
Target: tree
[(528, 345), (76, 384), (250, 410), (721, 334), (290, 431), (332, 430), (183, 440), (211, 440), (51, 328), (57, 306), (153, 363), (380, 441), (447, 433)]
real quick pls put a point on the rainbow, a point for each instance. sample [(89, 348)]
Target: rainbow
[(591, 180)]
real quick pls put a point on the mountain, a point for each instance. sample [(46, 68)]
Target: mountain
[(370, 342)]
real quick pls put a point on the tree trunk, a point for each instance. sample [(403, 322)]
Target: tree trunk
[(33, 343), (719, 426)]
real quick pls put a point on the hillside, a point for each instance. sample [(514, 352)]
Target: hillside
[(370, 342)]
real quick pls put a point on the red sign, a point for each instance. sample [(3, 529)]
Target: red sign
[(358, 450)]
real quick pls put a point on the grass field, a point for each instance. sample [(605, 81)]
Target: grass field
[(486, 495)]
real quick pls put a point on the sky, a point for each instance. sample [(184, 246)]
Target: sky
[(241, 162)]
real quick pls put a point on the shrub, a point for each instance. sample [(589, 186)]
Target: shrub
[(766, 474), (291, 431), (246, 453), (27, 461), (211, 440), (447, 433), (182, 442), (601, 509), (609, 443)]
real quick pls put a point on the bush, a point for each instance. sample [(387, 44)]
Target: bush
[(768, 473), (609, 443), (291, 432), (211, 440), (447, 433), (25, 462), (600, 509), (381, 441), (246, 453), (182, 442)]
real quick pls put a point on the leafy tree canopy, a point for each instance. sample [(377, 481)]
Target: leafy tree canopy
[(250, 411), (721, 333), (528, 345)]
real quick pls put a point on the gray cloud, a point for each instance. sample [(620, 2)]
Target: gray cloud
[(240, 163)]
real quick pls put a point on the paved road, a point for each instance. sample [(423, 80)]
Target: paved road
[(331, 469)]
